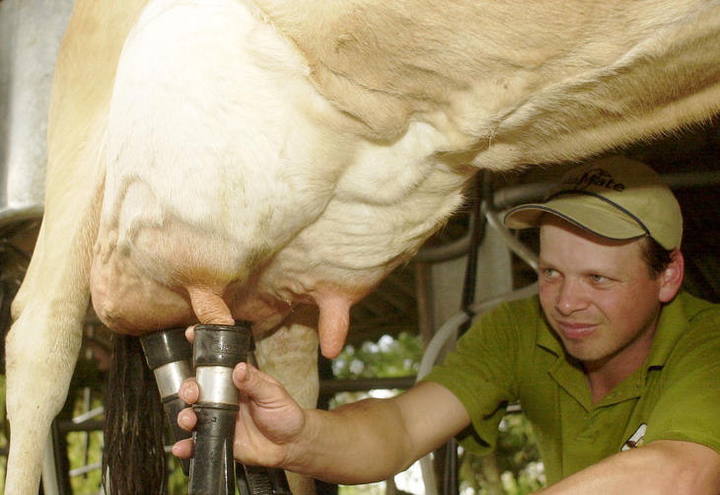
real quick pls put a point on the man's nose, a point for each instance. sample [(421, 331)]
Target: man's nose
[(571, 298)]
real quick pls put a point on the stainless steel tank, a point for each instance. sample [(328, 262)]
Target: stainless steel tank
[(30, 33)]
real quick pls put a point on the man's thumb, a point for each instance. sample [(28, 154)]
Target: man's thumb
[(255, 384)]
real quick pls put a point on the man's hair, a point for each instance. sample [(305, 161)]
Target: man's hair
[(657, 257)]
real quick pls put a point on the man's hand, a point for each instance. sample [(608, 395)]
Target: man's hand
[(268, 421), (383, 436)]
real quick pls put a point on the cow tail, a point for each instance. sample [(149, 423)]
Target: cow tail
[(133, 456)]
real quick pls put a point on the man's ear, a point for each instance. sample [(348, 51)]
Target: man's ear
[(672, 277)]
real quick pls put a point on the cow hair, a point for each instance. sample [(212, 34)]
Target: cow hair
[(133, 458)]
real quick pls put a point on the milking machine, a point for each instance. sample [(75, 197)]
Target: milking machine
[(168, 355), (215, 352)]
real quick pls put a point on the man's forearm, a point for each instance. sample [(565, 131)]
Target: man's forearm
[(373, 439), (358, 443), (662, 467)]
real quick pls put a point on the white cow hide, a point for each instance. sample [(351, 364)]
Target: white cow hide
[(512, 82)]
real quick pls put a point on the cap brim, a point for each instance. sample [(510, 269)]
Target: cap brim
[(589, 213)]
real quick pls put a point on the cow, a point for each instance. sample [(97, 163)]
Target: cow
[(211, 161)]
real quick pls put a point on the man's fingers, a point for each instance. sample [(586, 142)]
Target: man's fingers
[(187, 419), (258, 386), (183, 448), (189, 391), (190, 334)]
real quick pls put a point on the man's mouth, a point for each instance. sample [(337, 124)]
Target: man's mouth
[(573, 330)]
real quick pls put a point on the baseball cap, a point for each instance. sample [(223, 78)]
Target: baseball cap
[(616, 198)]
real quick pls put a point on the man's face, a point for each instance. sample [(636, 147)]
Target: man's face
[(597, 295)]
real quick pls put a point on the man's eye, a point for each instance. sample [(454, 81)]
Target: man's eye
[(549, 273), (598, 278)]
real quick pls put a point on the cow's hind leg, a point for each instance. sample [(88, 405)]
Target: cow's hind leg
[(290, 355), (40, 361), (43, 343)]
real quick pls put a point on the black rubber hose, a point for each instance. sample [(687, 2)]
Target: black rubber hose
[(163, 348), (216, 351)]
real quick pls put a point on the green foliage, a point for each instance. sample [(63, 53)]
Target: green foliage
[(514, 469), (387, 358), (369, 489), (85, 448), (516, 444), (177, 481)]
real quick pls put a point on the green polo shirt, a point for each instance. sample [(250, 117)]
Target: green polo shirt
[(512, 355)]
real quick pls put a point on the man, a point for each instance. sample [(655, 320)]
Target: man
[(617, 370)]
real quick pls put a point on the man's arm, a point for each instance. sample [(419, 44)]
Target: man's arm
[(362, 442), (373, 439), (662, 467)]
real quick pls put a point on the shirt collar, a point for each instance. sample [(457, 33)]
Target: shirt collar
[(546, 337), (671, 325)]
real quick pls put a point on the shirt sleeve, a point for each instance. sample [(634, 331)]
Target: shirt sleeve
[(689, 406), (480, 372)]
